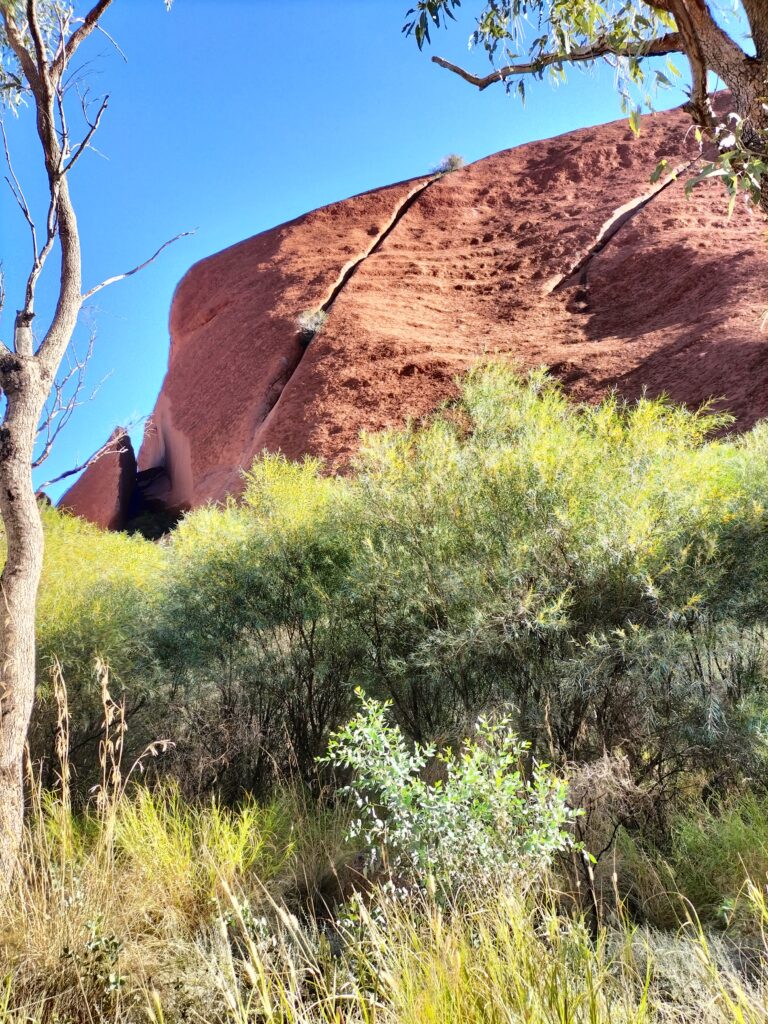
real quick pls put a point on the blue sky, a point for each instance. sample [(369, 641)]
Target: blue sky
[(231, 116)]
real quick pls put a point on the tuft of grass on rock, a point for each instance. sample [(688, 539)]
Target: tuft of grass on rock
[(451, 162), (310, 322)]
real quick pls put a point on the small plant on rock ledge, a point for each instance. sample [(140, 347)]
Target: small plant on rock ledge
[(452, 162), (310, 323)]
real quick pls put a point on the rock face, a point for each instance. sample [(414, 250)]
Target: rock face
[(559, 252), (104, 494)]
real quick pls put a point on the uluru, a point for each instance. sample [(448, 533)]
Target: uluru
[(562, 252)]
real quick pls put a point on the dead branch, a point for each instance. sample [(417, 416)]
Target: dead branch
[(114, 42), (93, 127), (129, 273), (114, 446), (18, 192), (39, 255), (64, 399)]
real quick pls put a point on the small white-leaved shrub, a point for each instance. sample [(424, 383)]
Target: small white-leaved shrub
[(311, 322), (450, 163), (486, 821)]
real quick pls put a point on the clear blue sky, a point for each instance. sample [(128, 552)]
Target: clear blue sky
[(231, 116)]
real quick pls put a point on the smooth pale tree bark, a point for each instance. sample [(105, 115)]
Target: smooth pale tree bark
[(24, 389), (43, 50), (26, 379)]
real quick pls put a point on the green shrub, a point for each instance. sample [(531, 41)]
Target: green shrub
[(255, 631), (576, 564), (452, 162), (490, 818), (598, 573)]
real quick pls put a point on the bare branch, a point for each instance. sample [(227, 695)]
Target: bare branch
[(62, 402), (39, 256), (64, 129), (114, 42), (92, 129), (115, 446), (90, 22), (37, 268), (129, 273), (669, 43), (4, 350)]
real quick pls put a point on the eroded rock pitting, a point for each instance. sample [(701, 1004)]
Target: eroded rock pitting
[(278, 386), (578, 272)]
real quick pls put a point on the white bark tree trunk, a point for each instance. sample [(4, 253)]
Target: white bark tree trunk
[(18, 591)]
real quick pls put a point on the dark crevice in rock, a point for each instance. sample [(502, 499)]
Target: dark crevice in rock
[(351, 269), (278, 386), (577, 274), (149, 515)]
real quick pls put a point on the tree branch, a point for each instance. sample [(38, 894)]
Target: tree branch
[(4, 350), (37, 39), (129, 273), (92, 129), (757, 16), (670, 43), (90, 22), (61, 405), (18, 193), (112, 447), (699, 104), (713, 44), (16, 43)]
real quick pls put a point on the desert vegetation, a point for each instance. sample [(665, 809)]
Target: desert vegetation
[(310, 322), (476, 732), (451, 162)]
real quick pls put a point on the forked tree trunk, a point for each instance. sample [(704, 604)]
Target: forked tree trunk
[(710, 49), (26, 377), (18, 594)]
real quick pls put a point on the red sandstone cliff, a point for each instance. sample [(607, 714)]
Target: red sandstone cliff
[(104, 493), (423, 278)]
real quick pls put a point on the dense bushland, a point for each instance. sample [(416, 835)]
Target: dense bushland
[(549, 806), (598, 574)]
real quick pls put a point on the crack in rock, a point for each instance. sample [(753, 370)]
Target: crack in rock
[(579, 270), (354, 265), (279, 385)]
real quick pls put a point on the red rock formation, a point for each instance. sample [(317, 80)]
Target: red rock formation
[(104, 492), (667, 294)]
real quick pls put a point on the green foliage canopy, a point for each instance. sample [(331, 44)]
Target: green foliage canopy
[(596, 573)]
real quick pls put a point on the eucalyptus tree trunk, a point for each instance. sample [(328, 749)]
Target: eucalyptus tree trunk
[(26, 378), (709, 48), (25, 395), (44, 37)]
